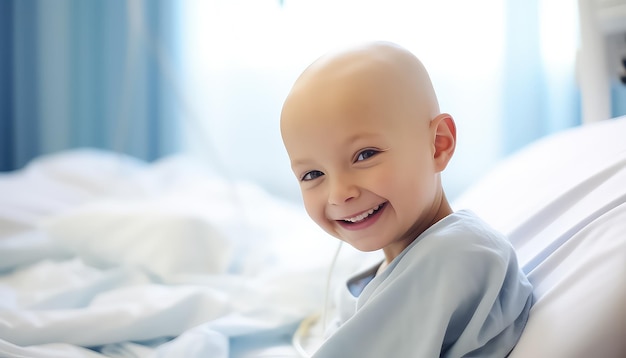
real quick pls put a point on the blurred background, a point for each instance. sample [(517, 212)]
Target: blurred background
[(207, 78)]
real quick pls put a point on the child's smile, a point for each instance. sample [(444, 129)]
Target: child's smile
[(363, 220)]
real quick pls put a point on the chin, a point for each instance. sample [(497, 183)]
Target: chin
[(363, 246)]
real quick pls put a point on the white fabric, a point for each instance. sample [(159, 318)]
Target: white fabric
[(138, 232), (150, 260)]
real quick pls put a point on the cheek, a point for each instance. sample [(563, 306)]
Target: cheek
[(389, 180), (406, 184), (384, 184)]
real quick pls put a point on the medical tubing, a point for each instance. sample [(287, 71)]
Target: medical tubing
[(305, 325)]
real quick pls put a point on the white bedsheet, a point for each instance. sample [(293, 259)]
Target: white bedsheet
[(130, 259)]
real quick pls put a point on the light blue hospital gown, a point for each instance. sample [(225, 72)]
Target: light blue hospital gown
[(456, 291)]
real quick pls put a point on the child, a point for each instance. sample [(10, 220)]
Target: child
[(367, 143)]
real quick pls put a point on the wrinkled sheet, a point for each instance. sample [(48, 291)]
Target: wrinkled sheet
[(104, 255)]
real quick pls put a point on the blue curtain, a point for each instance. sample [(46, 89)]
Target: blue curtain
[(102, 73), (79, 73), (539, 97)]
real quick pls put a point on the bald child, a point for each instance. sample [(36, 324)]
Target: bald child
[(367, 143)]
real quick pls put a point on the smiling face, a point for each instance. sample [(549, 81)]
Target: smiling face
[(358, 127)]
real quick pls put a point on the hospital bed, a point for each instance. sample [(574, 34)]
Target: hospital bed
[(105, 255)]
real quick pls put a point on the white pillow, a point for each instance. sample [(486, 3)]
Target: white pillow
[(562, 203), (581, 295)]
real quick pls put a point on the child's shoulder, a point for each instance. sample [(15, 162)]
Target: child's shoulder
[(459, 237), (464, 228)]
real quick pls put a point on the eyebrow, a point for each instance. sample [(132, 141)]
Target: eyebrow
[(359, 136), (349, 141), (299, 162)]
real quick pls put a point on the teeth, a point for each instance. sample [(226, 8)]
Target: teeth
[(363, 216)]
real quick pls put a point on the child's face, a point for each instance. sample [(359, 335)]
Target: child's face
[(362, 151)]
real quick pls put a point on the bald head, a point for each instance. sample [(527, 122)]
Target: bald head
[(378, 71), (363, 131)]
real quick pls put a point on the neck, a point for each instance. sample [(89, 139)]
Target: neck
[(440, 209)]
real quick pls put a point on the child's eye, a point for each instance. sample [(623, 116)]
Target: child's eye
[(313, 174), (368, 153)]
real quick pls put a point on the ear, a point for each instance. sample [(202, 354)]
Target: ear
[(444, 131)]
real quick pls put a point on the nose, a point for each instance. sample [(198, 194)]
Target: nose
[(342, 189)]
